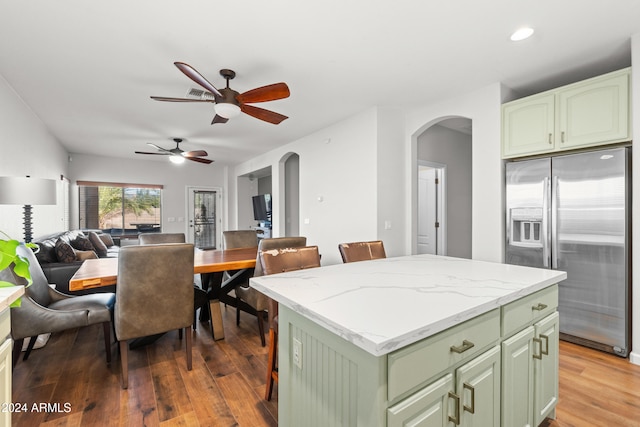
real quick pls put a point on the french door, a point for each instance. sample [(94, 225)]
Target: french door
[(204, 219)]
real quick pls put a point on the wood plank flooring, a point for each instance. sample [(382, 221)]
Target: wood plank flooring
[(226, 385)]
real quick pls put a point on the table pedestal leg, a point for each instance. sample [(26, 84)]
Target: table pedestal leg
[(216, 320)]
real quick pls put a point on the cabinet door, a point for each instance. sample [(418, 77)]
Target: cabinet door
[(478, 386), (545, 357), (425, 408), (5, 380), (528, 125), (517, 379), (594, 112)]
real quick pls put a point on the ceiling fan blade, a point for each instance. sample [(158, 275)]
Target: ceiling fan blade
[(265, 93), (262, 114), (190, 72), (157, 147), (163, 98), (199, 160), (219, 119), (196, 153), (146, 152)]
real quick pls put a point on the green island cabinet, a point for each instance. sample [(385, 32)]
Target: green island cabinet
[(589, 113), (498, 367)]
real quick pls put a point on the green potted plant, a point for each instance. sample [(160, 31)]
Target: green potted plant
[(8, 255)]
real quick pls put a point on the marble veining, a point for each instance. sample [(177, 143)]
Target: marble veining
[(386, 304)]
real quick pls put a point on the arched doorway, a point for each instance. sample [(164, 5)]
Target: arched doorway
[(442, 222)]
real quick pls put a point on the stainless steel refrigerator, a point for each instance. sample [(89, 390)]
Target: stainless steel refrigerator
[(572, 213)]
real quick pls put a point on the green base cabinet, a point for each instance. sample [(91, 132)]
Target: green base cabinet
[(589, 113), (497, 369)]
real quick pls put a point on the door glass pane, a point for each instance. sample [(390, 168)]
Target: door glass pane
[(204, 222)]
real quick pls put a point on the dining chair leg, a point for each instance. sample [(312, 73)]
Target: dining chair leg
[(17, 349), (106, 326), (237, 310), (260, 316), (125, 364), (272, 373), (189, 348), (32, 342)]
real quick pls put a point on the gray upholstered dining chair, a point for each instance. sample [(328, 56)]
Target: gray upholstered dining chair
[(155, 294), (279, 261), (200, 300), (160, 238), (362, 251), (44, 310), (255, 299)]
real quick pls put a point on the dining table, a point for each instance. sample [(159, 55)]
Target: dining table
[(210, 264)]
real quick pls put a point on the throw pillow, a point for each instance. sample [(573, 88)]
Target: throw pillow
[(65, 251), (98, 244), (82, 244), (82, 255), (106, 239)]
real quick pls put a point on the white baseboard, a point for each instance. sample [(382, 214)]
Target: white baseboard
[(634, 358)]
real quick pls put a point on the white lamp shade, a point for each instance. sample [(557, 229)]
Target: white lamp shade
[(226, 110), (27, 191)]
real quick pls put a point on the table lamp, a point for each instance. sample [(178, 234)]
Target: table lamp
[(27, 191)]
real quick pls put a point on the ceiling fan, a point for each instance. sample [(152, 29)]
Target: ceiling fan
[(178, 155), (228, 102)]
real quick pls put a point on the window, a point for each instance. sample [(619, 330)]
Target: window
[(119, 208)]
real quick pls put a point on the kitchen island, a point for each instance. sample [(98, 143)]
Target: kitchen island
[(422, 339)]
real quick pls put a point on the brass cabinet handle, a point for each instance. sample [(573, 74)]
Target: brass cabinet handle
[(550, 139), (544, 349), (455, 419), (540, 306), (472, 408), (466, 345), (537, 356)]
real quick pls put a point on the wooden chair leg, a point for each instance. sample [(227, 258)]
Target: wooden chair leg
[(271, 364), (17, 349), (189, 349), (180, 333), (125, 363), (260, 316), (106, 326), (238, 312), (32, 342)]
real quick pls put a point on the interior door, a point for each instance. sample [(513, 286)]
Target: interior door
[(430, 210), (204, 229)]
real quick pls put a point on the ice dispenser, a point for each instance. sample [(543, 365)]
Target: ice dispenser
[(526, 227)]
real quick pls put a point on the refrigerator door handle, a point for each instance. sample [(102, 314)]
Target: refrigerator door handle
[(554, 223), (545, 222)]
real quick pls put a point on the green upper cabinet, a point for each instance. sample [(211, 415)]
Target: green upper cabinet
[(588, 113)]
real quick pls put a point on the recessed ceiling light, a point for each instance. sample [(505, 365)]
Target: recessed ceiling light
[(521, 34)]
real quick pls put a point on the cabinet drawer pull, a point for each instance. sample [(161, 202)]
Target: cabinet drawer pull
[(544, 349), (562, 136), (466, 345), (550, 139), (539, 307), (537, 356), (472, 408), (455, 419)]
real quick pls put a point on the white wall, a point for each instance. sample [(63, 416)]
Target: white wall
[(635, 262), (338, 183), (28, 148), (174, 178), (483, 108)]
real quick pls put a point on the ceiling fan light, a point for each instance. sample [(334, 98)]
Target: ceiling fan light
[(176, 159), (227, 110)]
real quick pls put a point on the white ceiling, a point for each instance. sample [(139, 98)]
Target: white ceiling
[(87, 68)]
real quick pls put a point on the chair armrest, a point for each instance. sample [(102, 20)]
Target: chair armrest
[(31, 319)]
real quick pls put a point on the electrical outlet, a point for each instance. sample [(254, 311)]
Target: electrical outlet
[(297, 353)]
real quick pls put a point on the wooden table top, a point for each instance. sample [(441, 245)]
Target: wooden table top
[(95, 273)]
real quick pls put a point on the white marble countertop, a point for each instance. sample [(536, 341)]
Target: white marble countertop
[(9, 295), (383, 305)]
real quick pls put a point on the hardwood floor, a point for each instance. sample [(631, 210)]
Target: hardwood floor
[(226, 385)]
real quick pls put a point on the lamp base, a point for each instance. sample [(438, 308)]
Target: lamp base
[(27, 223)]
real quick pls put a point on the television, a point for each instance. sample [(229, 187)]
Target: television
[(262, 207)]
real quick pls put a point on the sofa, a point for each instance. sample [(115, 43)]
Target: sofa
[(61, 254)]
